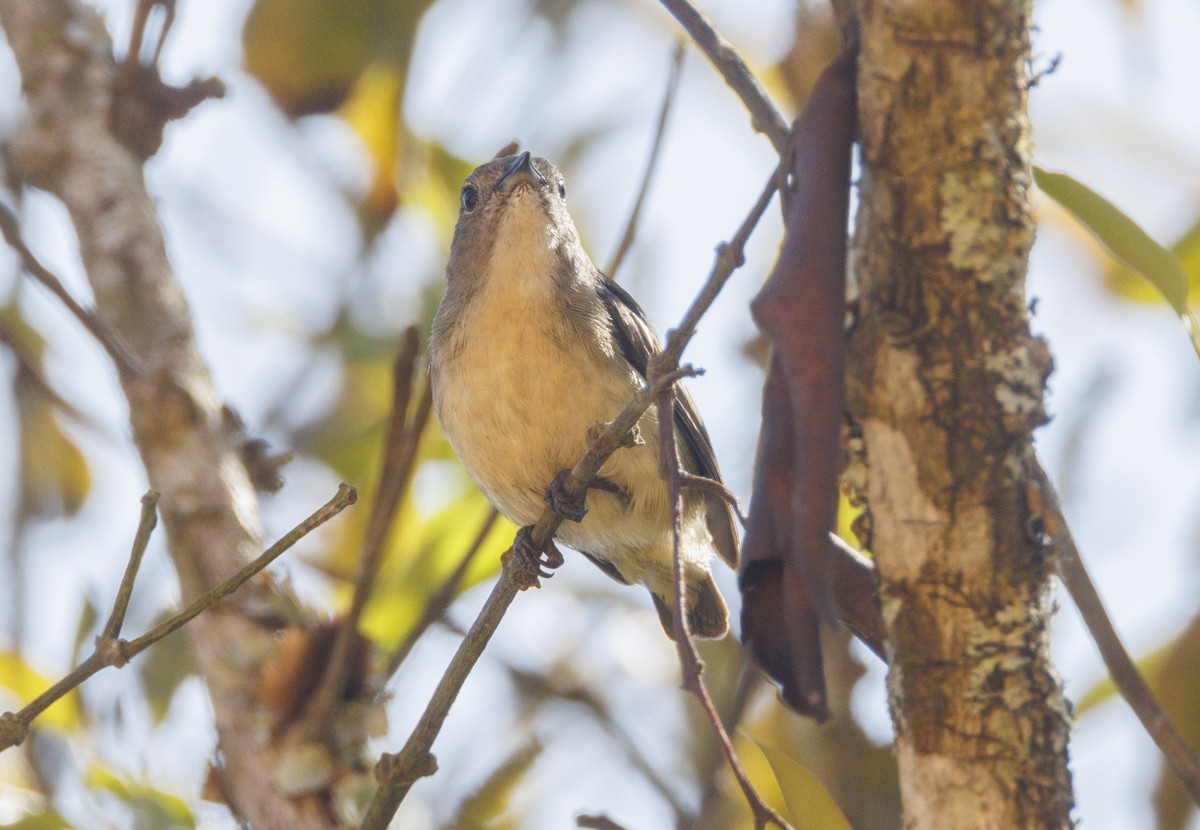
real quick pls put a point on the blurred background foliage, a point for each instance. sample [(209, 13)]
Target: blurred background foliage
[(313, 244)]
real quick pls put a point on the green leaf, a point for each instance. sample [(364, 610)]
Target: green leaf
[(1123, 237), (54, 476), (1126, 241), (49, 820), (488, 805), (1128, 284), (1105, 689), (809, 804), (166, 664), (152, 809)]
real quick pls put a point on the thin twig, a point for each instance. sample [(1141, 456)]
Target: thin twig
[(439, 601), (709, 485), (764, 117), (1121, 668), (597, 823), (137, 34), (399, 458), (691, 666), (397, 773), (14, 726), (651, 163), (10, 226), (140, 540)]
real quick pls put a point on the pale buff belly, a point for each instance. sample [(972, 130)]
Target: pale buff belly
[(515, 437)]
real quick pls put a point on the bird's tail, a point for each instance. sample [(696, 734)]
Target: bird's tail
[(707, 616)]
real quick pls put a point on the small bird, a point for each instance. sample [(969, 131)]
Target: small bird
[(531, 347)]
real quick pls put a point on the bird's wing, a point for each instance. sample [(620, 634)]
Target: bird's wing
[(638, 342)]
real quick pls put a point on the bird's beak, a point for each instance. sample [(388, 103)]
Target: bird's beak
[(521, 169)]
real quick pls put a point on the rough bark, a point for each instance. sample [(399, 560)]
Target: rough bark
[(945, 388), (188, 445)]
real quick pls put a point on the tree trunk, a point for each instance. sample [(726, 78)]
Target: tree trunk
[(945, 388), (186, 440)]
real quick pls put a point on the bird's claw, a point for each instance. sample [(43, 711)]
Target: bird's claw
[(570, 507), (532, 561)]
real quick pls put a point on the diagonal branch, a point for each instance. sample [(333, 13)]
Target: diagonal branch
[(396, 472), (764, 117), (691, 666), (117, 351), (397, 773), (110, 651), (1124, 671)]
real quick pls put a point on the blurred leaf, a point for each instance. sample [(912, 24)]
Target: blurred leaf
[(54, 476), (1129, 284), (83, 631), (422, 555), (1148, 665), (1176, 684), (488, 805), (1125, 240), (166, 664), (152, 809), (41, 821), (373, 112), (17, 677), (309, 53), (1123, 237), (809, 804)]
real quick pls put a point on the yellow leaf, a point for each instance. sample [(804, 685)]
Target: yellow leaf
[(373, 112), (54, 474), (809, 805), (26, 684), (309, 53)]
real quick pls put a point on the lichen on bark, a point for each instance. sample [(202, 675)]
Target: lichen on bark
[(945, 387)]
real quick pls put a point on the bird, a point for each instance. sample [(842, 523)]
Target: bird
[(532, 346)]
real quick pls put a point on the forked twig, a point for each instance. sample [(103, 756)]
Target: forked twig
[(110, 651), (397, 773), (691, 666)]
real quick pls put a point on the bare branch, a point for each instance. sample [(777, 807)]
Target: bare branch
[(109, 651), (1123, 670), (668, 98), (438, 602), (10, 226), (763, 115), (396, 471), (140, 540), (690, 664)]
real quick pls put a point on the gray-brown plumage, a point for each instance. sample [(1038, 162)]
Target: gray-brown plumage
[(532, 346)]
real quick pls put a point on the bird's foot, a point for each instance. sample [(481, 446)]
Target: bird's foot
[(570, 507), (532, 561), (608, 486), (574, 508)]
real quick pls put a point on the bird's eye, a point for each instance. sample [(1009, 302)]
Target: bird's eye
[(562, 189), (470, 198)]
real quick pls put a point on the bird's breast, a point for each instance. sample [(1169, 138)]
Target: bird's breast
[(517, 397)]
